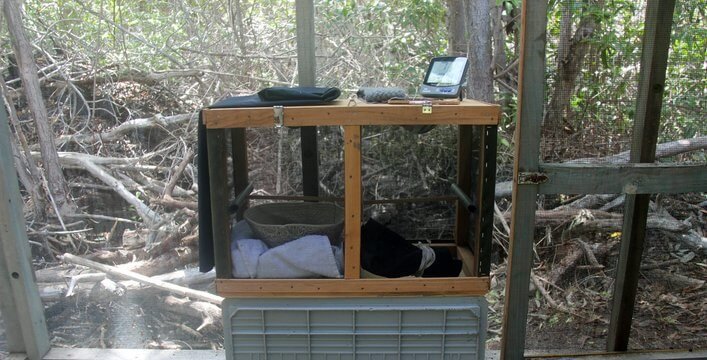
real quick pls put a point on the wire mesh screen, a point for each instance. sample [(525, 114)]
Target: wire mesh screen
[(594, 51), (593, 55), (3, 339)]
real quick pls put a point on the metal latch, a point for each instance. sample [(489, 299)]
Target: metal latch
[(427, 108), (278, 115), (532, 178)]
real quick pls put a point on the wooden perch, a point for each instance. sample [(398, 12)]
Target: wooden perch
[(125, 274)]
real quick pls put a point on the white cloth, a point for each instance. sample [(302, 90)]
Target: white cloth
[(308, 257), (311, 256), (428, 257)]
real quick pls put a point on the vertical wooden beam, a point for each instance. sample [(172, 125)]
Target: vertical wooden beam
[(486, 190), (654, 61), (531, 90), (220, 196), (306, 69), (20, 304), (239, 154), (352, 201), (464, 166)]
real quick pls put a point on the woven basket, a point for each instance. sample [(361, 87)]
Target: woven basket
[(278, 223)]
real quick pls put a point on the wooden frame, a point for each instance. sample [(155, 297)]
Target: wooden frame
[(21, 306), (636, 180), (654, 61), (531, 81), (469, 112), (351, 117)]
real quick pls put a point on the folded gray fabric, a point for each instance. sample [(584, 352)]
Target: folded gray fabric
[(311, 256), (380, 94)]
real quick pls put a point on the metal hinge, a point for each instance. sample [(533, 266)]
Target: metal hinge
[(532, 178), (279, 115)]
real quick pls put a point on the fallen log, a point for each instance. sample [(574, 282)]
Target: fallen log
[(174, 259), (85, 161), (53, 286), (677, 280), (129, 126), (208, 312), (162, 285), (147, 78)]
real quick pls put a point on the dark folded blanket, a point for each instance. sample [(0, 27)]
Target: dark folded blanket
[(282, 96)]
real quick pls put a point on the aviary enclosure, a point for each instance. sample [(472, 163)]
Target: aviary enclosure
[(122, 81)]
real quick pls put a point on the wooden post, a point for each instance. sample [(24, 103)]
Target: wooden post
[(239, 154), (352, 201), (654, 61), (486, 189), (306, 69), (530, 113), (464, 166), (19, 298)]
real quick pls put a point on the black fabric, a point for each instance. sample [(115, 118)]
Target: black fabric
[(206, 244), (286, 96), (444, 266), (385, 253), (267, 97)]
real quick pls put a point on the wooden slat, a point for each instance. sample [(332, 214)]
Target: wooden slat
[(383, 114), (468, 259), (623, 178), (447, 199), (531, 100), (238, 118), (654, 61), (352, 202), (20, 304), (220, 196), (352, 287), (469, 112)]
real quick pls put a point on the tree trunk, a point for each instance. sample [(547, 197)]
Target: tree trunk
[(27, 169), (500, 61), (570, 60), (481, 77), (22, 49)]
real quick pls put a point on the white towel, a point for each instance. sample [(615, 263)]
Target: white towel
[(311, 256), (245, 251), (308, 257)]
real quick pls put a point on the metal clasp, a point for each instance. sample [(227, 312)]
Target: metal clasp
[(279, 115), (427, 107)]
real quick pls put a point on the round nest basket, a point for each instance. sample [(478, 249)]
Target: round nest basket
[(278, 223)]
